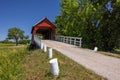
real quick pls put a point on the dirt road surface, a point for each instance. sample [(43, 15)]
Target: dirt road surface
[(105, 66)]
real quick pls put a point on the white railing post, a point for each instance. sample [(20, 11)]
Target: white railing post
[(70, 40), (67, 40), (61, 39), (74, 41), (50, 52), (54, 66), (64, 39), (80, 42), (44, 48), (41, 45)]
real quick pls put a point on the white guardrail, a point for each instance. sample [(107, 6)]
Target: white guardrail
[(37, 41), (70, 40)]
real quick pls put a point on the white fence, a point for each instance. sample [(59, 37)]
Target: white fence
[(70, 40), (37, 41)]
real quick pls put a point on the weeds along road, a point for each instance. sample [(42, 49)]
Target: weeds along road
[(105, 66)]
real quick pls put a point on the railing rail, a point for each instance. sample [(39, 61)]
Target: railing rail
[(66, 39), (70, 40), (37, 40)]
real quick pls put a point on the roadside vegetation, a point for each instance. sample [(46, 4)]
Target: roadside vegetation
[(37, 68), (18, 63), (11, 58), (116, 53)]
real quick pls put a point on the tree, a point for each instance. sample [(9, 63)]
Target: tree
[(67, 20), (78, 18), (109, 28), (96, 21), (16, 34)]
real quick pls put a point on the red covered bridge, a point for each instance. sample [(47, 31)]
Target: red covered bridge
[(45, 28)]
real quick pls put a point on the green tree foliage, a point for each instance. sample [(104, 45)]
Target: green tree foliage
[(16, 34), (7, 41), (24, 41), (110, 28), (91, 20)]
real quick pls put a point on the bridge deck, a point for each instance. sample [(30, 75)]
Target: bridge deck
[(106, 66)]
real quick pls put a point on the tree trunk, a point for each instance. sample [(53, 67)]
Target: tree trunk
[(16, 42)]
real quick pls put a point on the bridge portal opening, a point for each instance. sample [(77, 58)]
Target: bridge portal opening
[(45, 33), (44, 28)]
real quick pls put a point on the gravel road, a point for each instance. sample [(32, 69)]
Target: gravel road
[(105, 66)]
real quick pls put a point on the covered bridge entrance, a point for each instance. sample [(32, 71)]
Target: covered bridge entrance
[(44, 28)]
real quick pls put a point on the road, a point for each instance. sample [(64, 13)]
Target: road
[(105, 66)]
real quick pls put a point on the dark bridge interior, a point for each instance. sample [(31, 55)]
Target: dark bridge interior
[(45, 32)]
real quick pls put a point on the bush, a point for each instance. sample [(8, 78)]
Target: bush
[(24, 41), (7, 41)]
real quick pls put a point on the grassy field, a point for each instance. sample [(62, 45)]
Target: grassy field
[(118, 50), (18, 63), (37, 68), (11, 58), (116, 53)]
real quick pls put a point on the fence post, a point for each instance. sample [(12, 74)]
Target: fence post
[(74, 41), (41, 45), (95, 49), (80, 42), (50, 52), (44, 48), (54, 67), (70, 40)]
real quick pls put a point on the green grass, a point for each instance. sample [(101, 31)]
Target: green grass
[(18, 63), (2, 45), (117, 55), (11, 61), (6, 45), (117, 50), (37, 67)]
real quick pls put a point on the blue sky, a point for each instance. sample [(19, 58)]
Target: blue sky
[(25, 13)]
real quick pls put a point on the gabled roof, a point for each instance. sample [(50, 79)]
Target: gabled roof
[(44, 22)]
